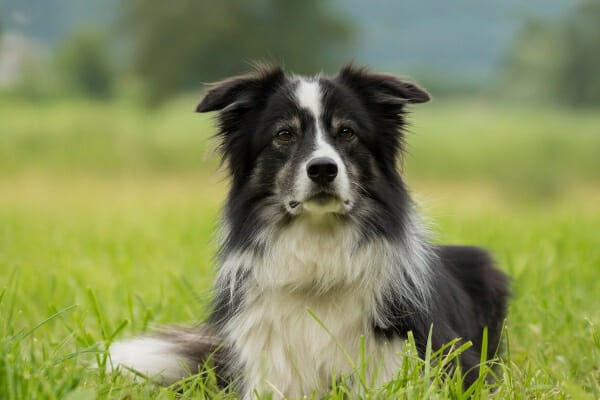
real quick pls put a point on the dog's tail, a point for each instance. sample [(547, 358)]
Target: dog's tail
[(170, 354)]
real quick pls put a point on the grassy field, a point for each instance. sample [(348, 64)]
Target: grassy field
[(107, 213)]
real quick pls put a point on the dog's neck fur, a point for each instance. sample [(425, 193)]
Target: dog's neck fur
[(295, 288)]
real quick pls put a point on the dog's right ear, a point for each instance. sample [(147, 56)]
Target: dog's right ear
[(242, 91), (382, 89)]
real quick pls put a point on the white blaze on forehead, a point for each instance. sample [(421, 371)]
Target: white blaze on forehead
[(308, 94), (310, 97)]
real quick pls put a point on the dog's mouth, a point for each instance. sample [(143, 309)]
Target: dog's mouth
[(320, 202), (322, 198)]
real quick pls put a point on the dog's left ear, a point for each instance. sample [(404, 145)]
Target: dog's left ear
[(380, 88), (241, 91)]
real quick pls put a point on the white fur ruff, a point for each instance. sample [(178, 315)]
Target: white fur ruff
[(309, 302)]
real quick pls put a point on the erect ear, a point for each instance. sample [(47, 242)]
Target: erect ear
[(382, 88), (242, 89)]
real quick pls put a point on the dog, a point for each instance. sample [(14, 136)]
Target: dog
[(323, 257)]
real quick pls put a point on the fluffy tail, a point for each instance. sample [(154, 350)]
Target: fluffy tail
[(169, 354)]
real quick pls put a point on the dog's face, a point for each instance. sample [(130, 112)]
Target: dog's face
[(311, 146)]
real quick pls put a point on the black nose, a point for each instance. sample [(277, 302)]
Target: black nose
[(322, 170)]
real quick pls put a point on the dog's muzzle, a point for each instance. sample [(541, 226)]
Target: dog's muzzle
[(322, 192)]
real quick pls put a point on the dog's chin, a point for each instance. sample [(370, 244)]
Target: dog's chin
[(320, 203)]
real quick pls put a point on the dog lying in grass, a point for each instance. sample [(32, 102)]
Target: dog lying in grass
[(323, 258)]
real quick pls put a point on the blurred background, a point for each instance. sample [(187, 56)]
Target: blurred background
[(109, 85), (541, 49)]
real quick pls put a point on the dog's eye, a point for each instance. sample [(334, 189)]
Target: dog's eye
[(346, 133), (284, 135)]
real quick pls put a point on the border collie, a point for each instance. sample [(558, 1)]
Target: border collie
[(323, 258)]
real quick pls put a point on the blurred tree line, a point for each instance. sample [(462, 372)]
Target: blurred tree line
[(159, 47), (86, 66), (162, 47), (178, 45), (559, 60)]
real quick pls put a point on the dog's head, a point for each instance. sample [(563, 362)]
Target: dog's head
[(312, 146)]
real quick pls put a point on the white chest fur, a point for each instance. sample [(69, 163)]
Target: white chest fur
[(308, 303)]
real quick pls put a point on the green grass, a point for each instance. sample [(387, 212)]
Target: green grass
[(107, 213)]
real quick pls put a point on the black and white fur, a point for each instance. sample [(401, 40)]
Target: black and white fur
[(321, 244)]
